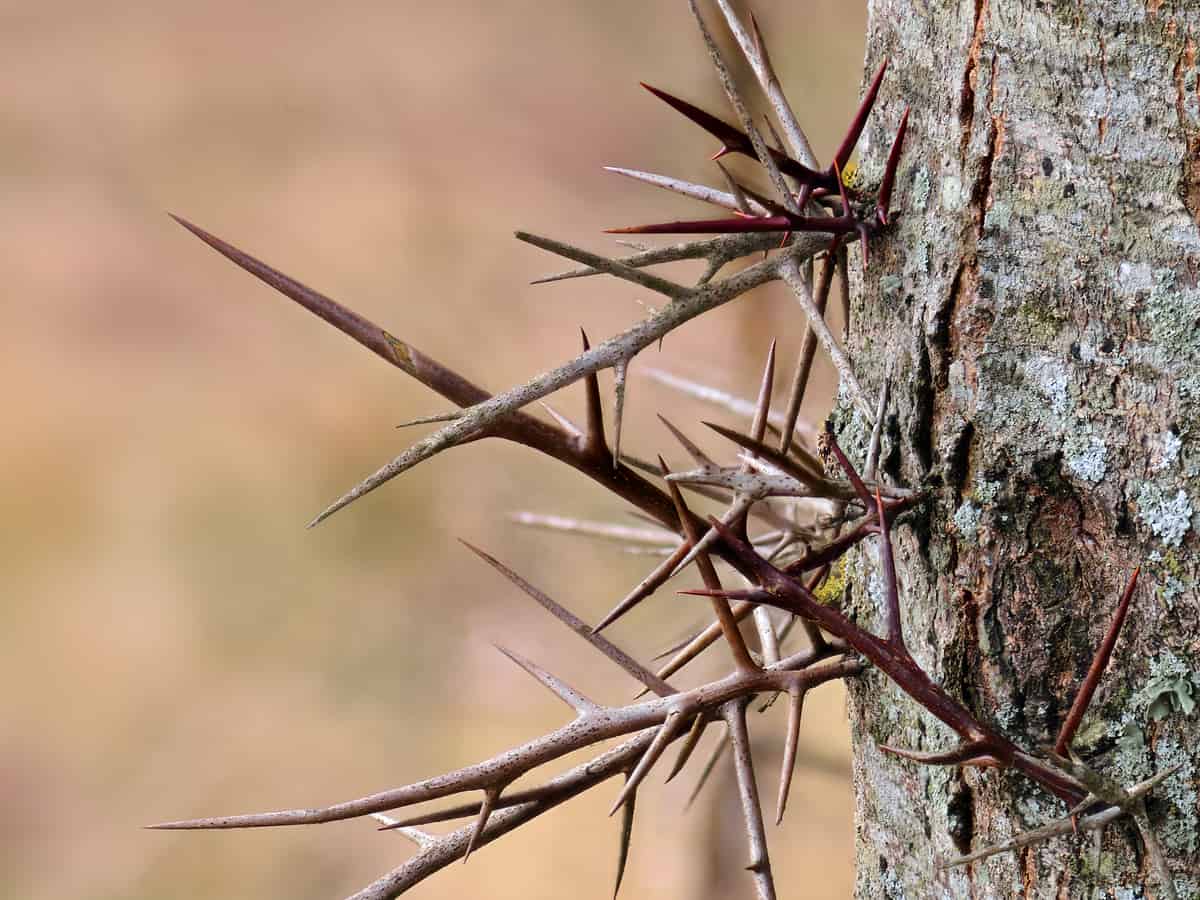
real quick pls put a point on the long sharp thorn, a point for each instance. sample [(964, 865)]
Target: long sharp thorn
[(1103, 653), (693, 451), (594, 441), (736, 225), (852, 475), (345, 320), (729, 625), (604, 264), (884, 203), (963, 754), (743, 764), (709, 766), (734, 140), (563, 422), (701, 642), (895, 629), (844, 151), (647, 586), (429, 420), (843, 273), (808, 353), (667, 732), (422, 839), (795, 712), (626, 839), (568, 618), (732, 201), (877, 431), (699, 724), (801, 465), (620, 370), (552, 683), (763, 407), (485, 811), (739, 194)]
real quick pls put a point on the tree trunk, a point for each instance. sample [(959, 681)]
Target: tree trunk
[(1038, 300)]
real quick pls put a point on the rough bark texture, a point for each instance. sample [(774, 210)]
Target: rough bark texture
[(1039, 302)]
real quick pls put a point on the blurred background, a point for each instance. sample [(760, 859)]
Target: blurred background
[(173, 642)]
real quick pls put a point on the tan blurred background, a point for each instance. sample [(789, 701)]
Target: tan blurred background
[(173, 642)]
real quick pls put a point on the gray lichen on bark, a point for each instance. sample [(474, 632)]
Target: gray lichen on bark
[(1043, 313)]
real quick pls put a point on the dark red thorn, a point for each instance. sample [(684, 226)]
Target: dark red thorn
[(844, 151), (851, 473), (864, 239), (593, 436), (736, 224), (895, 633), (734, 140), (884, 202), (1084, 698)]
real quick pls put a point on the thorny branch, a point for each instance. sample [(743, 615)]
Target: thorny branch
[(813, 517)]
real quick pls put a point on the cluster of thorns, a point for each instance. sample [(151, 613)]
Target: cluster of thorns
[(786, 524)]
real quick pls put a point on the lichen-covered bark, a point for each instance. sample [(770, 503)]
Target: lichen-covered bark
[(1039, 302)]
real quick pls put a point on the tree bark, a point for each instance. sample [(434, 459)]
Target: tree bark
[(1038, 301)]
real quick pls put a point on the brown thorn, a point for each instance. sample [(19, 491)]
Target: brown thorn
[(763, 408), (593, 444), (808, 352), (709, 765), (568, 618), (626, 839), (729, 626), (699, 724), (490, 795), (795, 711), (647, 586), (667, 732)]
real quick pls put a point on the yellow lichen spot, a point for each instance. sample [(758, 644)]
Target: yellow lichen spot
[(850, 175), (834, 586)]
